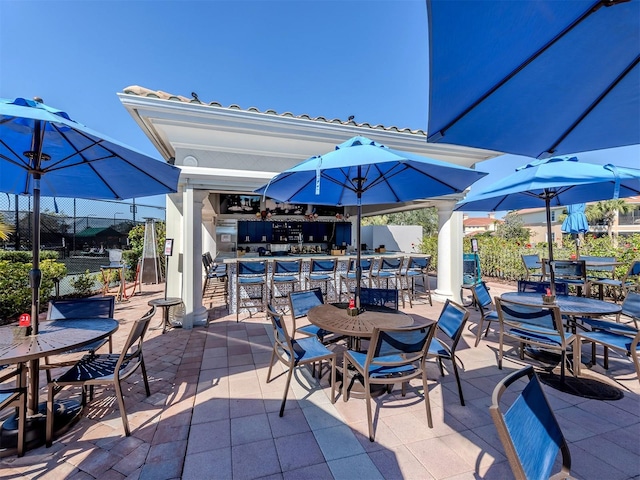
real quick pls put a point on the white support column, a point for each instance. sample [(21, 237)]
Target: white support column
[(195, 312), (449, 251), (209, 234), (174, 230)]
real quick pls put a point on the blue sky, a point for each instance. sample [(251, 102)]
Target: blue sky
[(316, 57)]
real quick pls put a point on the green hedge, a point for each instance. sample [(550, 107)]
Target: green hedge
[(15, 290)]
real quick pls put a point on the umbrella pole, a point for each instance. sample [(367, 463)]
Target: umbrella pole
[(552, 277), (359, 182)]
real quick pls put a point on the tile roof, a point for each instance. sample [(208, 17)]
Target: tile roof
[(146, 92), (480, 221)]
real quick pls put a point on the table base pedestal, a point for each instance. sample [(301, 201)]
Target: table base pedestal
[(67, 413)]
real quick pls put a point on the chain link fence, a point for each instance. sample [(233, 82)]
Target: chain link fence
[(80, 230)]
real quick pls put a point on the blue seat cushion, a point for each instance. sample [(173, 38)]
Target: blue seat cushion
[(285, 278), (250, 281), (541, 335), (608, 325), (621, 342), (313, 330), (309, 348), (319, 276), (436, 347), (379, 370)]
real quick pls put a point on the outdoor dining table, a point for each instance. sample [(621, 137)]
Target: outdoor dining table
[(569, 305), (54, 337), (335, 318)]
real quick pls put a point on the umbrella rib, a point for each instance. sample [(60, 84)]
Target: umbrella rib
[(519, 68), (593, 105)]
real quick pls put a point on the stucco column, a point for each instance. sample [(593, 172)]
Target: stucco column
[(174, 231), (195, 312), (209, 234), (450, 239)]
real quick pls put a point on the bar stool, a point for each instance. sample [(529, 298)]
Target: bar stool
[(389, 269), (417, 267), (322, 271), (349, 276), (285, 274), (251, 276)]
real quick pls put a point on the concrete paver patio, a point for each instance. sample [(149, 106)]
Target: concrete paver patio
[(212, 415)]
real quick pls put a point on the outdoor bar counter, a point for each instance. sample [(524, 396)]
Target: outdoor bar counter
[(342, 266)]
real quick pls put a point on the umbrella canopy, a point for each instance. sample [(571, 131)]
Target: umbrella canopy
[(44, 152), (554, 182), (363, 172), (539, 78), (576, 223)]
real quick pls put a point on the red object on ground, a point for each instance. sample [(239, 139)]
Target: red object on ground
[(25, 320), (352, 303)]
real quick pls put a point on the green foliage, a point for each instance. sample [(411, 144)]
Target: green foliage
[(26, 256), (429, 246), (513, 229), (84, 284), (15, 291), (500, 258), (136, 242)]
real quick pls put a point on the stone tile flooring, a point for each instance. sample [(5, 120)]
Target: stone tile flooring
[(212, 415)]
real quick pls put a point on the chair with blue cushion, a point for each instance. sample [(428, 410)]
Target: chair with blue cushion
[(299, 304), (532, 267), (528, 429), (388, 269), (251, 277), (417, 267), (75, 308), (532, 325), (15, 397), (348, 278), (104, 369), (571, 272), (285, 275), (450, 324), (541, 287), (296, 353), (394, 356), (629, 282), (379, 297), (324, 272), (483, 301)]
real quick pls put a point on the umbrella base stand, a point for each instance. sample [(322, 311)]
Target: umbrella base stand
[(67, 413)]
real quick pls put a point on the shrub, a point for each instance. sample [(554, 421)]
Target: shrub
[(84, 284)]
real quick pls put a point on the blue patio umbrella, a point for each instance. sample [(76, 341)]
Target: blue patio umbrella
[(576, 223), (44, 152), (363, 172), (554, 182), (537, 78)]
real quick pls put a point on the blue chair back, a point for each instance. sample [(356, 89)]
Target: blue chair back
[(482, 294), (252, 268), (528, 314), (419, 263), (631, 305), (569, 269), (452, 320), (382, 297), (603, 268), (323, 266), (94, 307), (391, 263), (529, 430), (541, 287), (280, 330), (365, 264), (302, 301), (634, 269), (532, 261), (412, 342), (286, 267)]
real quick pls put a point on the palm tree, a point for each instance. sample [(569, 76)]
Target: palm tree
[(5, 229), (608, 211)]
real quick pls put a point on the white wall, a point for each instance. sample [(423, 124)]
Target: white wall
[(395, 238)]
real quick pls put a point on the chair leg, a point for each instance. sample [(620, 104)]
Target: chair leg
[(49, 423), (333, 379), (123, 412), (427, 403), (22, 422), (273, 354), (144, 377), (479, 334), (286, 389), (441, 366), (369, 410), (455, 372)]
